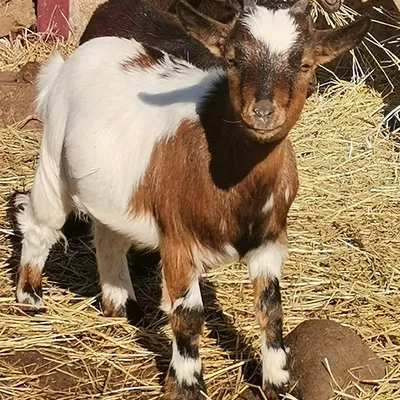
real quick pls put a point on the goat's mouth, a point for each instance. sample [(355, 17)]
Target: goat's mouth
[(262, 129), (263, 133)]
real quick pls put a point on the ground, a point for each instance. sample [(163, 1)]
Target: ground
[(344, 231)]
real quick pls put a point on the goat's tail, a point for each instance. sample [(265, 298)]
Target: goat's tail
[(42, 213), (46, 79)]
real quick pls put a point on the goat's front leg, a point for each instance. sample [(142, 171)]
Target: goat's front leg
[(265, 267), (182, 299)]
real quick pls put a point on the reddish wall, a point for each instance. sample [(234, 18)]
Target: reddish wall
[(53, 14)]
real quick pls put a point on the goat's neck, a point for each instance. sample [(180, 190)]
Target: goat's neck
[(234, 156)]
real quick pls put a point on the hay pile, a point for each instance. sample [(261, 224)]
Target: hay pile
[(344, 231)]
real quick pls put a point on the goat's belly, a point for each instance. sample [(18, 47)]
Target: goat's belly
[(105, 199), (140, 229)]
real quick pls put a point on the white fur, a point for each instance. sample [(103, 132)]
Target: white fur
[(103, 117), (208, 258), (115, 280), (26, 298), (266, 260), (193, 299), (277, 29), (45, 80), (269, 205), (185, 368), (287, 194), (38, 237), (274, 362)]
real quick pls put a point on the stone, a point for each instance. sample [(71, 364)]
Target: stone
[(312, 342)]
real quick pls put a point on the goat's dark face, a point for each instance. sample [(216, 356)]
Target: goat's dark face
[(271, 56)]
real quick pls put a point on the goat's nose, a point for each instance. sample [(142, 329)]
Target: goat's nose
[(263, 109)]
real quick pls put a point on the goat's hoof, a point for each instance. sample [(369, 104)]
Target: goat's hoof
[(29, 289), (176, 391), (273, 392), (130, 310), (30, 299)]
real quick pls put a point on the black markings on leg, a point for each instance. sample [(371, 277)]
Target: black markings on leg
[(185, 377), (270, 308)]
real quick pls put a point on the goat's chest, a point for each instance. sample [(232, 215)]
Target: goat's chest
[(244, 221)]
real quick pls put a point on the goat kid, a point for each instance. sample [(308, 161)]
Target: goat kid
[(196, 163)]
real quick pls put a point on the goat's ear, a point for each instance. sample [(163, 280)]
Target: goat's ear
[(332, 43), (205, 30)]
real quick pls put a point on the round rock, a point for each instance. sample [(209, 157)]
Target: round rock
[(314, 341)]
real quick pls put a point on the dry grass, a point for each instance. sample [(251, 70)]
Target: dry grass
[(378, 54), (344, 233)]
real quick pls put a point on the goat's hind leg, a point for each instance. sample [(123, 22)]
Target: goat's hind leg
[(41, 215), (118, 296)]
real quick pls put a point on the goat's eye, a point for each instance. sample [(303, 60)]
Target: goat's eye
[(231, 61), (305, 67)]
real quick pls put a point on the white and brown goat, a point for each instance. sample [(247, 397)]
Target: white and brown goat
[(161, 154)]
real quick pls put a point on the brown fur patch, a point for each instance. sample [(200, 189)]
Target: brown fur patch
[(259, 285), (207, 188), (30, 280), (142, 61), (235, 92), (109, 309), (298, 99), (189, 321), (178, 269)]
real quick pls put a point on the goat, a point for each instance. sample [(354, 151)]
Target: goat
[(198, 164)]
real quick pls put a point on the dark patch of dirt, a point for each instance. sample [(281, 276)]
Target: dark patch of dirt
[(59, 376), (17, 94)]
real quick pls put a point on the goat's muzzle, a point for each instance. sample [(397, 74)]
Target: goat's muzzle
[(264, 117)]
